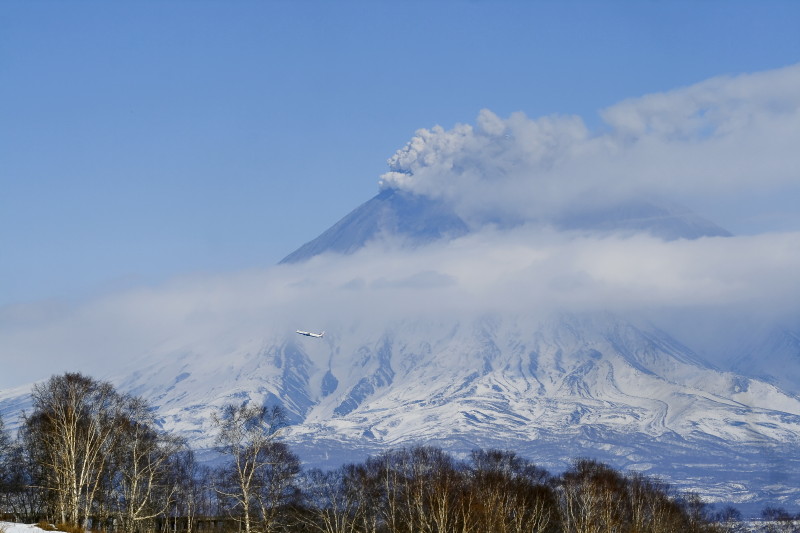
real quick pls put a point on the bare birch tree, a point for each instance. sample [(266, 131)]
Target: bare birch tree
[(261, 470), (511, 495), (142, 484), (73, 425), (333, 506)]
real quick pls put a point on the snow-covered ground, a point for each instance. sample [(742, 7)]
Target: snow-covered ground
[(11, 527)]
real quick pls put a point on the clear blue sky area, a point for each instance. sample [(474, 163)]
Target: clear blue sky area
[(141, 140)]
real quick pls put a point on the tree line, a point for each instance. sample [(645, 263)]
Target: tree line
[(88, 457)]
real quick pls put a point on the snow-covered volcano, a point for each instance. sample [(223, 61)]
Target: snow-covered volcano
[(488, 298), (551, 385)]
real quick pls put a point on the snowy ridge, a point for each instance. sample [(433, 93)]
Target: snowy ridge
[(552, 389)]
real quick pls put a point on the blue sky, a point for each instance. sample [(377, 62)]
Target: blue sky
[(142, 141)]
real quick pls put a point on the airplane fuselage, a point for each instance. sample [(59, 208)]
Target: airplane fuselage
[(310, 334)]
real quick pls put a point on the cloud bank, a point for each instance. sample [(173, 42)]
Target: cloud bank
[(733, 133), (520, 271)]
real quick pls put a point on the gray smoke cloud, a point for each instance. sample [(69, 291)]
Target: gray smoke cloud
[(726, 135)]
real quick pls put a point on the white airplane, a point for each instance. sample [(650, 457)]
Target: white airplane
[(309, 334)]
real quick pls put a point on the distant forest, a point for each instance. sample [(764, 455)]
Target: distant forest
[(87, 457)]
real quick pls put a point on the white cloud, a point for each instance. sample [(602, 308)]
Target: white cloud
[(519, 271), (719, 106)]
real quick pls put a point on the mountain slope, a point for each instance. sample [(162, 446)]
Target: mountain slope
[(665, 220), (554, 389), (774, 357), (420, 220), (392, 212)]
